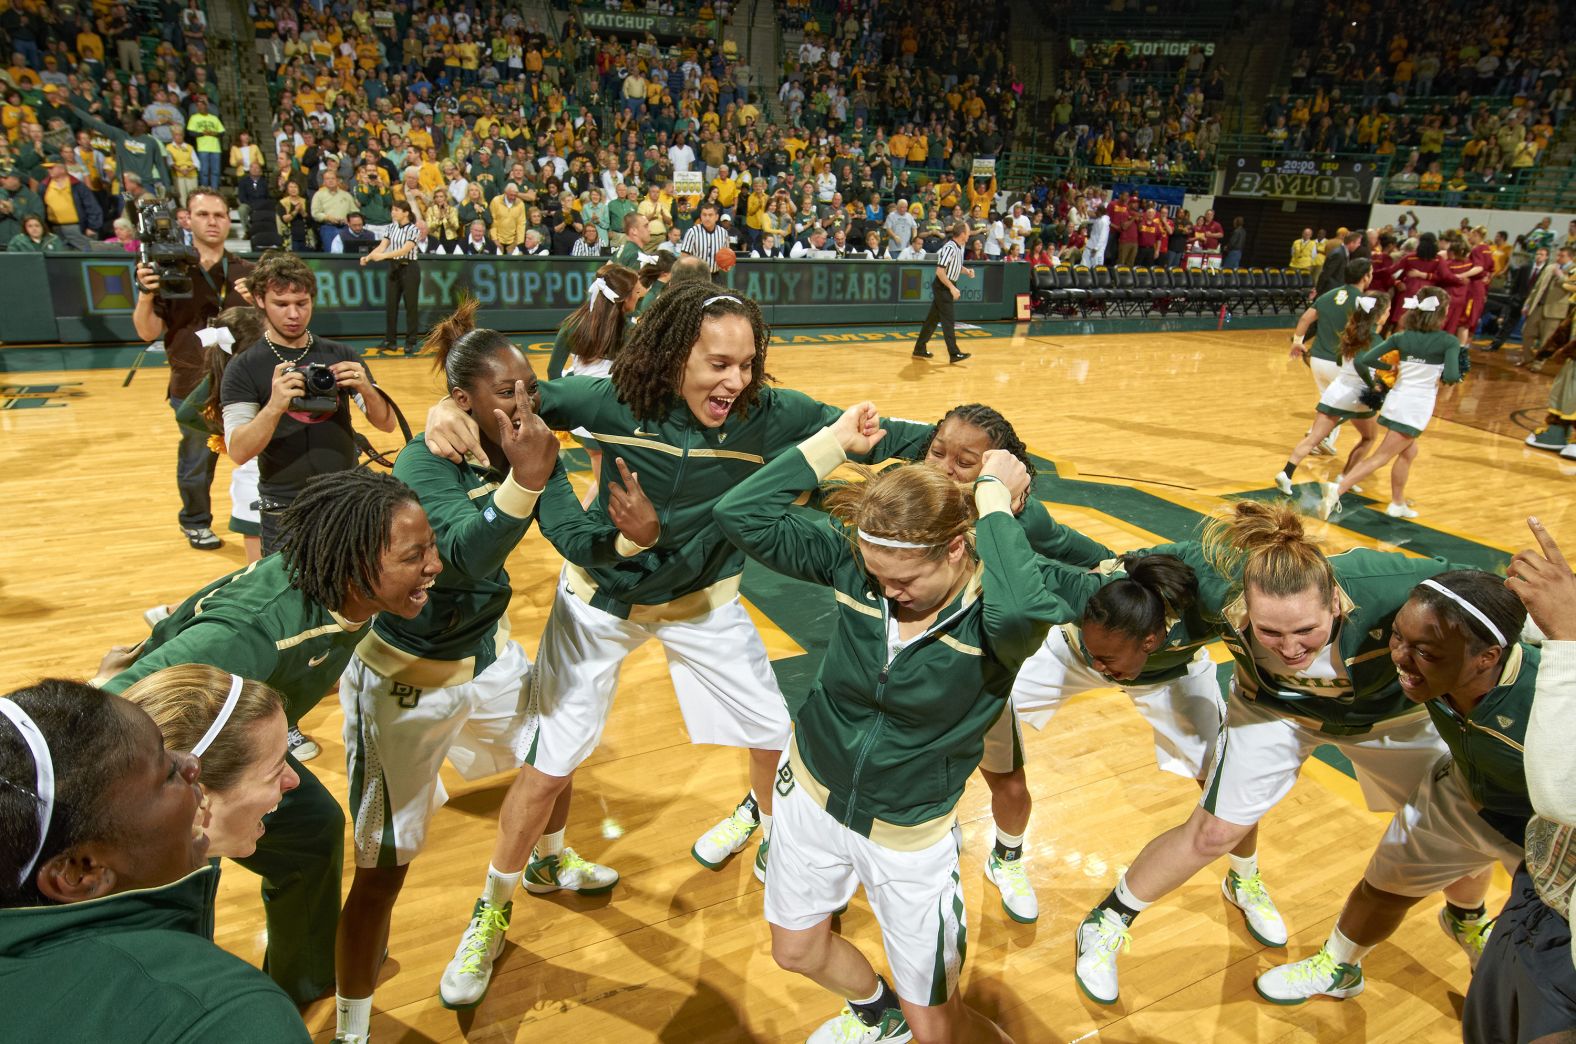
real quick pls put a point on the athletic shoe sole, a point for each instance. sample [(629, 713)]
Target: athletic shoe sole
[(1343, 994), (711, 866), (1079, 979), (543, 889)]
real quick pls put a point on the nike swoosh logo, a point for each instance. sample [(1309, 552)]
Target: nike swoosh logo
[(647, 434), (314, 661)]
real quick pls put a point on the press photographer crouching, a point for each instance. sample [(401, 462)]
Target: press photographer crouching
[(182, 288), (286, 400)]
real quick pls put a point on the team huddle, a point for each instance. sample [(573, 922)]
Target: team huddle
[(962, 609)]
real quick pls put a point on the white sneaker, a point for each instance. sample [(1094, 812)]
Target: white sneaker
[(1249, 895), (1315, 976), (1471, 936), (303, 747), (1011, 878), (1283, 483), (352, 1038), (1329, 504), (1569, 452), (1101, 938), (465, 980), (723, 840), (153, 616), (1400, 511), (568, 872), (847, 1029), (1326, 446)]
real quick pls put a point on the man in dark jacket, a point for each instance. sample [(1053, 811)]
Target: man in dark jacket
[(1333, 271), (1505, 306)]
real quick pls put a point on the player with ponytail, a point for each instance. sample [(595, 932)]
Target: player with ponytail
[(1309, 635), (449, 682), (1455, 647)]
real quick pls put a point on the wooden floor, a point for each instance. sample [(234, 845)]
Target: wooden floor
[(678, 953)]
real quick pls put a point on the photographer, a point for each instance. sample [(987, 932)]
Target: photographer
[(218, 281), (288, 405)]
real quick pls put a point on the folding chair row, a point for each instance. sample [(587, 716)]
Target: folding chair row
[(1078, 291)]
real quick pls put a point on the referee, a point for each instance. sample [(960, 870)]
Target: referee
[(943, 292), (399, 246), (703, 240)]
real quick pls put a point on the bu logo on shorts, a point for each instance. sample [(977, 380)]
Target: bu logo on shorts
[(407, 695), (784, 781)]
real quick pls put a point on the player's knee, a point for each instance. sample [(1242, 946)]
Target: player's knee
[(1213, 837), (799, 952), (938, 1024), (1375, 896), (1008, 786)]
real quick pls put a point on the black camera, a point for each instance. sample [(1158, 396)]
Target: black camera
[(164, 249), (322, 389)]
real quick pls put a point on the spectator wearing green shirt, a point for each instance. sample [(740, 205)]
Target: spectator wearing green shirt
[(210, 156)]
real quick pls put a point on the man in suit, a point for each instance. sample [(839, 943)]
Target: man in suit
[(1506, 305), (1333, 271), (1546, 304)]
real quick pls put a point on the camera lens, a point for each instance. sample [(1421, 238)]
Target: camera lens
[(320, 379)]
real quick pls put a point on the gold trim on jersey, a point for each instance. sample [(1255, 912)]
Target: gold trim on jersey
[(481, 491), (888, 835), (952, 643), (856, 605), (752, 458), (685, 607), (626, 440), (418, 671)]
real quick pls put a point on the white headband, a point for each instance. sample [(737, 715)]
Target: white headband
[(44, 768), (599, 286), (1477, 613), (720, 297), (901, 545), (220, 335), (236, 681), (1367, 304), (1426, 304)]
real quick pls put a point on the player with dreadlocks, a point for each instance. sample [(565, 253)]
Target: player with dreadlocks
[(354, 544), (689, 407)]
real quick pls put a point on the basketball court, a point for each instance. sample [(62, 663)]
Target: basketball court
[(1136, 436)]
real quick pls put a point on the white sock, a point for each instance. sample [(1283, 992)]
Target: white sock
[(1007, 840), (500, 886), (1343, 949), (551, 844), (1245, 866), (352, 1015), (766, 826), (880, 988), (1125, 896)]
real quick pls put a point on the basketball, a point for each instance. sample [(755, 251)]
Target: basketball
[(726, 259)]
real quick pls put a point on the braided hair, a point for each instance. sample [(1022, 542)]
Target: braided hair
[(997, 429), (649, 372), (334, 533)]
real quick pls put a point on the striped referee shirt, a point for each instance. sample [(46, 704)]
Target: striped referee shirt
[(950, 258), (398, 235), (697, 242)]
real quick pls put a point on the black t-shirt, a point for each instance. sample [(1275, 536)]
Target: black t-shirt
[(299, 450), (212, 293)]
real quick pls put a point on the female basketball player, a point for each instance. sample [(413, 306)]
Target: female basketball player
[(689, 407), (449, 683), (1309, 635), (106, 904), (589, 339), (236, 730), (1456, 651), (1343, 399), (236, 330), (932, 624), (1426, 355), (1482, 273), (355, 544)]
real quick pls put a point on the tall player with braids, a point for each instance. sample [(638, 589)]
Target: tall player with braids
[(689, 407)]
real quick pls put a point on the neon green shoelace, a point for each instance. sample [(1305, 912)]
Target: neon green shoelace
[(1473, 933), (1015, 874), (1251, 888), (489, 924), (1318, 969), (734, 830), (1114, 937), (570, 860)]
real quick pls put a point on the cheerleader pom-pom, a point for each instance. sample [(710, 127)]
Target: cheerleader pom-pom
[(1464, 360), (215, 443), (1373, 398)]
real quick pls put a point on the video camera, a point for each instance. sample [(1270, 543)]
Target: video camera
[(163, 248)]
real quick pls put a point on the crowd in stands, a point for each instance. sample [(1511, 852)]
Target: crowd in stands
[(1462, 97)]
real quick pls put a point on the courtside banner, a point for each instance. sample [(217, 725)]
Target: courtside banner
[(92, 294)]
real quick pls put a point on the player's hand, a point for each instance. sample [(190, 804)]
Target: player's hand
[(117, 659), (288, 384), (630, 509), (1000, 464), (1543, 581), (351, 376), (148, 279), (452, 434), (529, 445), (859, 429)]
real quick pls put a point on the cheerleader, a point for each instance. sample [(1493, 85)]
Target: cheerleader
[(939, 600), (589, 339), (234, 331), (1346, 397), (1424, 356)]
